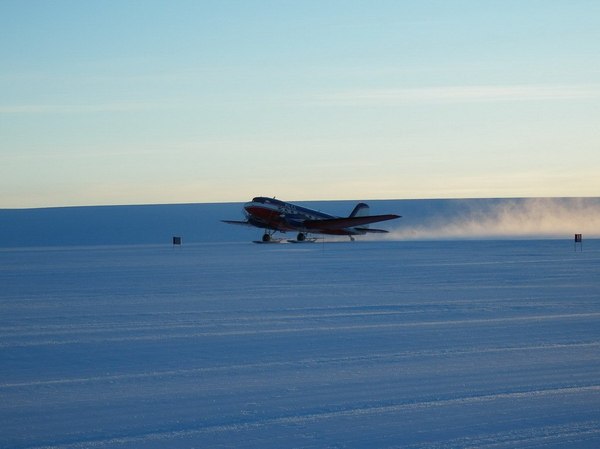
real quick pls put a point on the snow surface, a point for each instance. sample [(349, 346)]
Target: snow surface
[(471, 344)]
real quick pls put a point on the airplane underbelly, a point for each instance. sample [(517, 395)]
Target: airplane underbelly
[(267, 217)]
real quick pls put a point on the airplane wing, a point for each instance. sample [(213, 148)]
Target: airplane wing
[(245, 223), (349, 222), (376, 231)]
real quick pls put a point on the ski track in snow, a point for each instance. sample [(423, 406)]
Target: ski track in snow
[(297, 363), (377, 344), (288, 330), (566, 431)]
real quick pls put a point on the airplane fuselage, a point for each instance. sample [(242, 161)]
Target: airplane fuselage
[(277, 215), (274, 215)]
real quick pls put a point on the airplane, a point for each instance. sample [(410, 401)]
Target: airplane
[(274, 215)]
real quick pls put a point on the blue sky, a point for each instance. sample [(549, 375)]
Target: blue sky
[(117, 102)]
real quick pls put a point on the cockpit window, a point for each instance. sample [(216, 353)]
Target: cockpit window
[(264, 200)]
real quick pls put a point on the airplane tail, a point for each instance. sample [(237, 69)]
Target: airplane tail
[(361, 210)]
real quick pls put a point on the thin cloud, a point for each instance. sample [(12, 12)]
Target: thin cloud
[(458, 94), (81, 108)]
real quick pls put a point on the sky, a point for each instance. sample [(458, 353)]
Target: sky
[(146, 102)]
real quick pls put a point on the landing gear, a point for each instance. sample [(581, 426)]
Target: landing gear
[(268, 238), (302, 238)]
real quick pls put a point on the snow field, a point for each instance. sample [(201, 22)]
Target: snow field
[(370, 344)]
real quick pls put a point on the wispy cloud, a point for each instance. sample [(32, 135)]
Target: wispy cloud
[(82, 108), (458, 94)]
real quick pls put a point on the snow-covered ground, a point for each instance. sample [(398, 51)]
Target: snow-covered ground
[(482, 344)]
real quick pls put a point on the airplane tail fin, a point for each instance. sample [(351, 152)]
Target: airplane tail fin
[(361, 210)]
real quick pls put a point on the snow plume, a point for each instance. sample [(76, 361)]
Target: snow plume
[(507, 218)]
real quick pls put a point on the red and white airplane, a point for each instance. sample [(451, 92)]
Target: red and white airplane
[(274, 215)]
